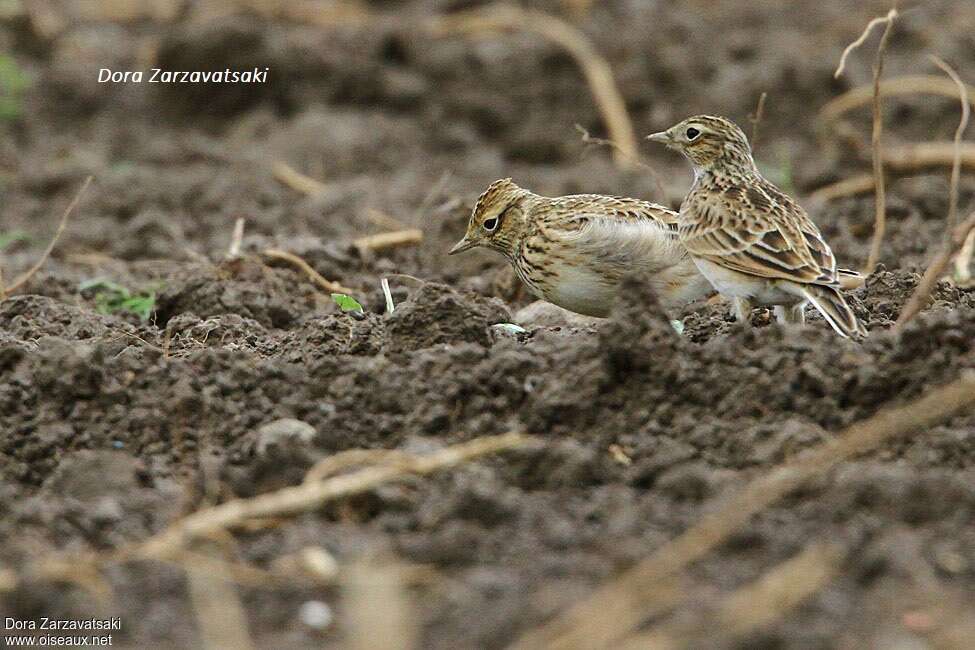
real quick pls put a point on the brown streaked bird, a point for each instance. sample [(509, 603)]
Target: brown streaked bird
[(755, 244), (573, 251)]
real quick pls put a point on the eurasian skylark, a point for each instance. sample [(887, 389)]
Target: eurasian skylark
[(755, 244), (573, 251)]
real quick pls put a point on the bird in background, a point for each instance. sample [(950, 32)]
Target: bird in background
[(755, 244), (574, 251)]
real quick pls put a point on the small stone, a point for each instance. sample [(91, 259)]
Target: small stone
[(316, 614), (282, 433)]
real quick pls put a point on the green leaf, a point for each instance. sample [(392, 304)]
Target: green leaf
[(346, 303), (111, 298)]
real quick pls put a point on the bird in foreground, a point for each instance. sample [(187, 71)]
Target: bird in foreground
[(755, 244), (574, 251)]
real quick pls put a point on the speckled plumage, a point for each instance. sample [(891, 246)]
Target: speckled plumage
[(574, 250), (753, 242)]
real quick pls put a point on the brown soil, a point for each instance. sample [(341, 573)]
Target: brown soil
[(110, 428)]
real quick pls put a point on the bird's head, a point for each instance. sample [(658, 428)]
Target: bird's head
[(709, 142), (497, 219)]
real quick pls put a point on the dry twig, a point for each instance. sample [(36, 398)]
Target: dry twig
[(384, 240), (309, 495), (630, 597), (906, 85), (934, 271), (852, 186), (955, 236), (380, 611), (889, 19), (219, 612), (599, 75), (880, 211), (26, 276), (288, 175), (956, 153), (963, 262), (756, 118), (902, 159), (313, 275), (753, 606), (236, 239)]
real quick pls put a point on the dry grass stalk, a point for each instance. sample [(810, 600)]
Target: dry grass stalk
[(753, 606), (599, 75), (956, 148), (889, 19), (880, 205), (903, 159), (630, 597), (906, 85), (219, 612), (384, 240), (236, 239), (922, 155), (380, 611), (345, 460), (955, 236), (384, 220), (309, 495), (313, 275), (963, 262), (756, 118), (8, 580), (26, 276), (288, 175), (934, 271), (860, 184)]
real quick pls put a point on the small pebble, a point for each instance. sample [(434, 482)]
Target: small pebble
[(316, 614)]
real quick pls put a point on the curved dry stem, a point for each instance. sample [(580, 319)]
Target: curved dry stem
[(889, 19), (26, 276), (599, 75), (897, 86), (630, 597), (753, 606), (935, 270), (859, 184), (880, 190), (311, 494), (313, 275), (956, 147)]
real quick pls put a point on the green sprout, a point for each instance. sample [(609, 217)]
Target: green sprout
[(346, 303), (111, 298), (7, 238), (13, 83)]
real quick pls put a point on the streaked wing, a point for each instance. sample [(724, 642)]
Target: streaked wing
[(760, 232)]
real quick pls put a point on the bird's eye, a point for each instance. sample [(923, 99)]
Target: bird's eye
[(491, 224), (692, 133)]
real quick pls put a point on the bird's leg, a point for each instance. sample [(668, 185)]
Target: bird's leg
[(743, 310), (794, 315)]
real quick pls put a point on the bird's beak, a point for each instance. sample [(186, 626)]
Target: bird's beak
[(661, 136), (461, 246)]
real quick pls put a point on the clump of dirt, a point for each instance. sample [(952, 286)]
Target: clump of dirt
[(247, 373)]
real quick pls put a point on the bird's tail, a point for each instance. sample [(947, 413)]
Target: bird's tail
[(831, 304), (850, 279)]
